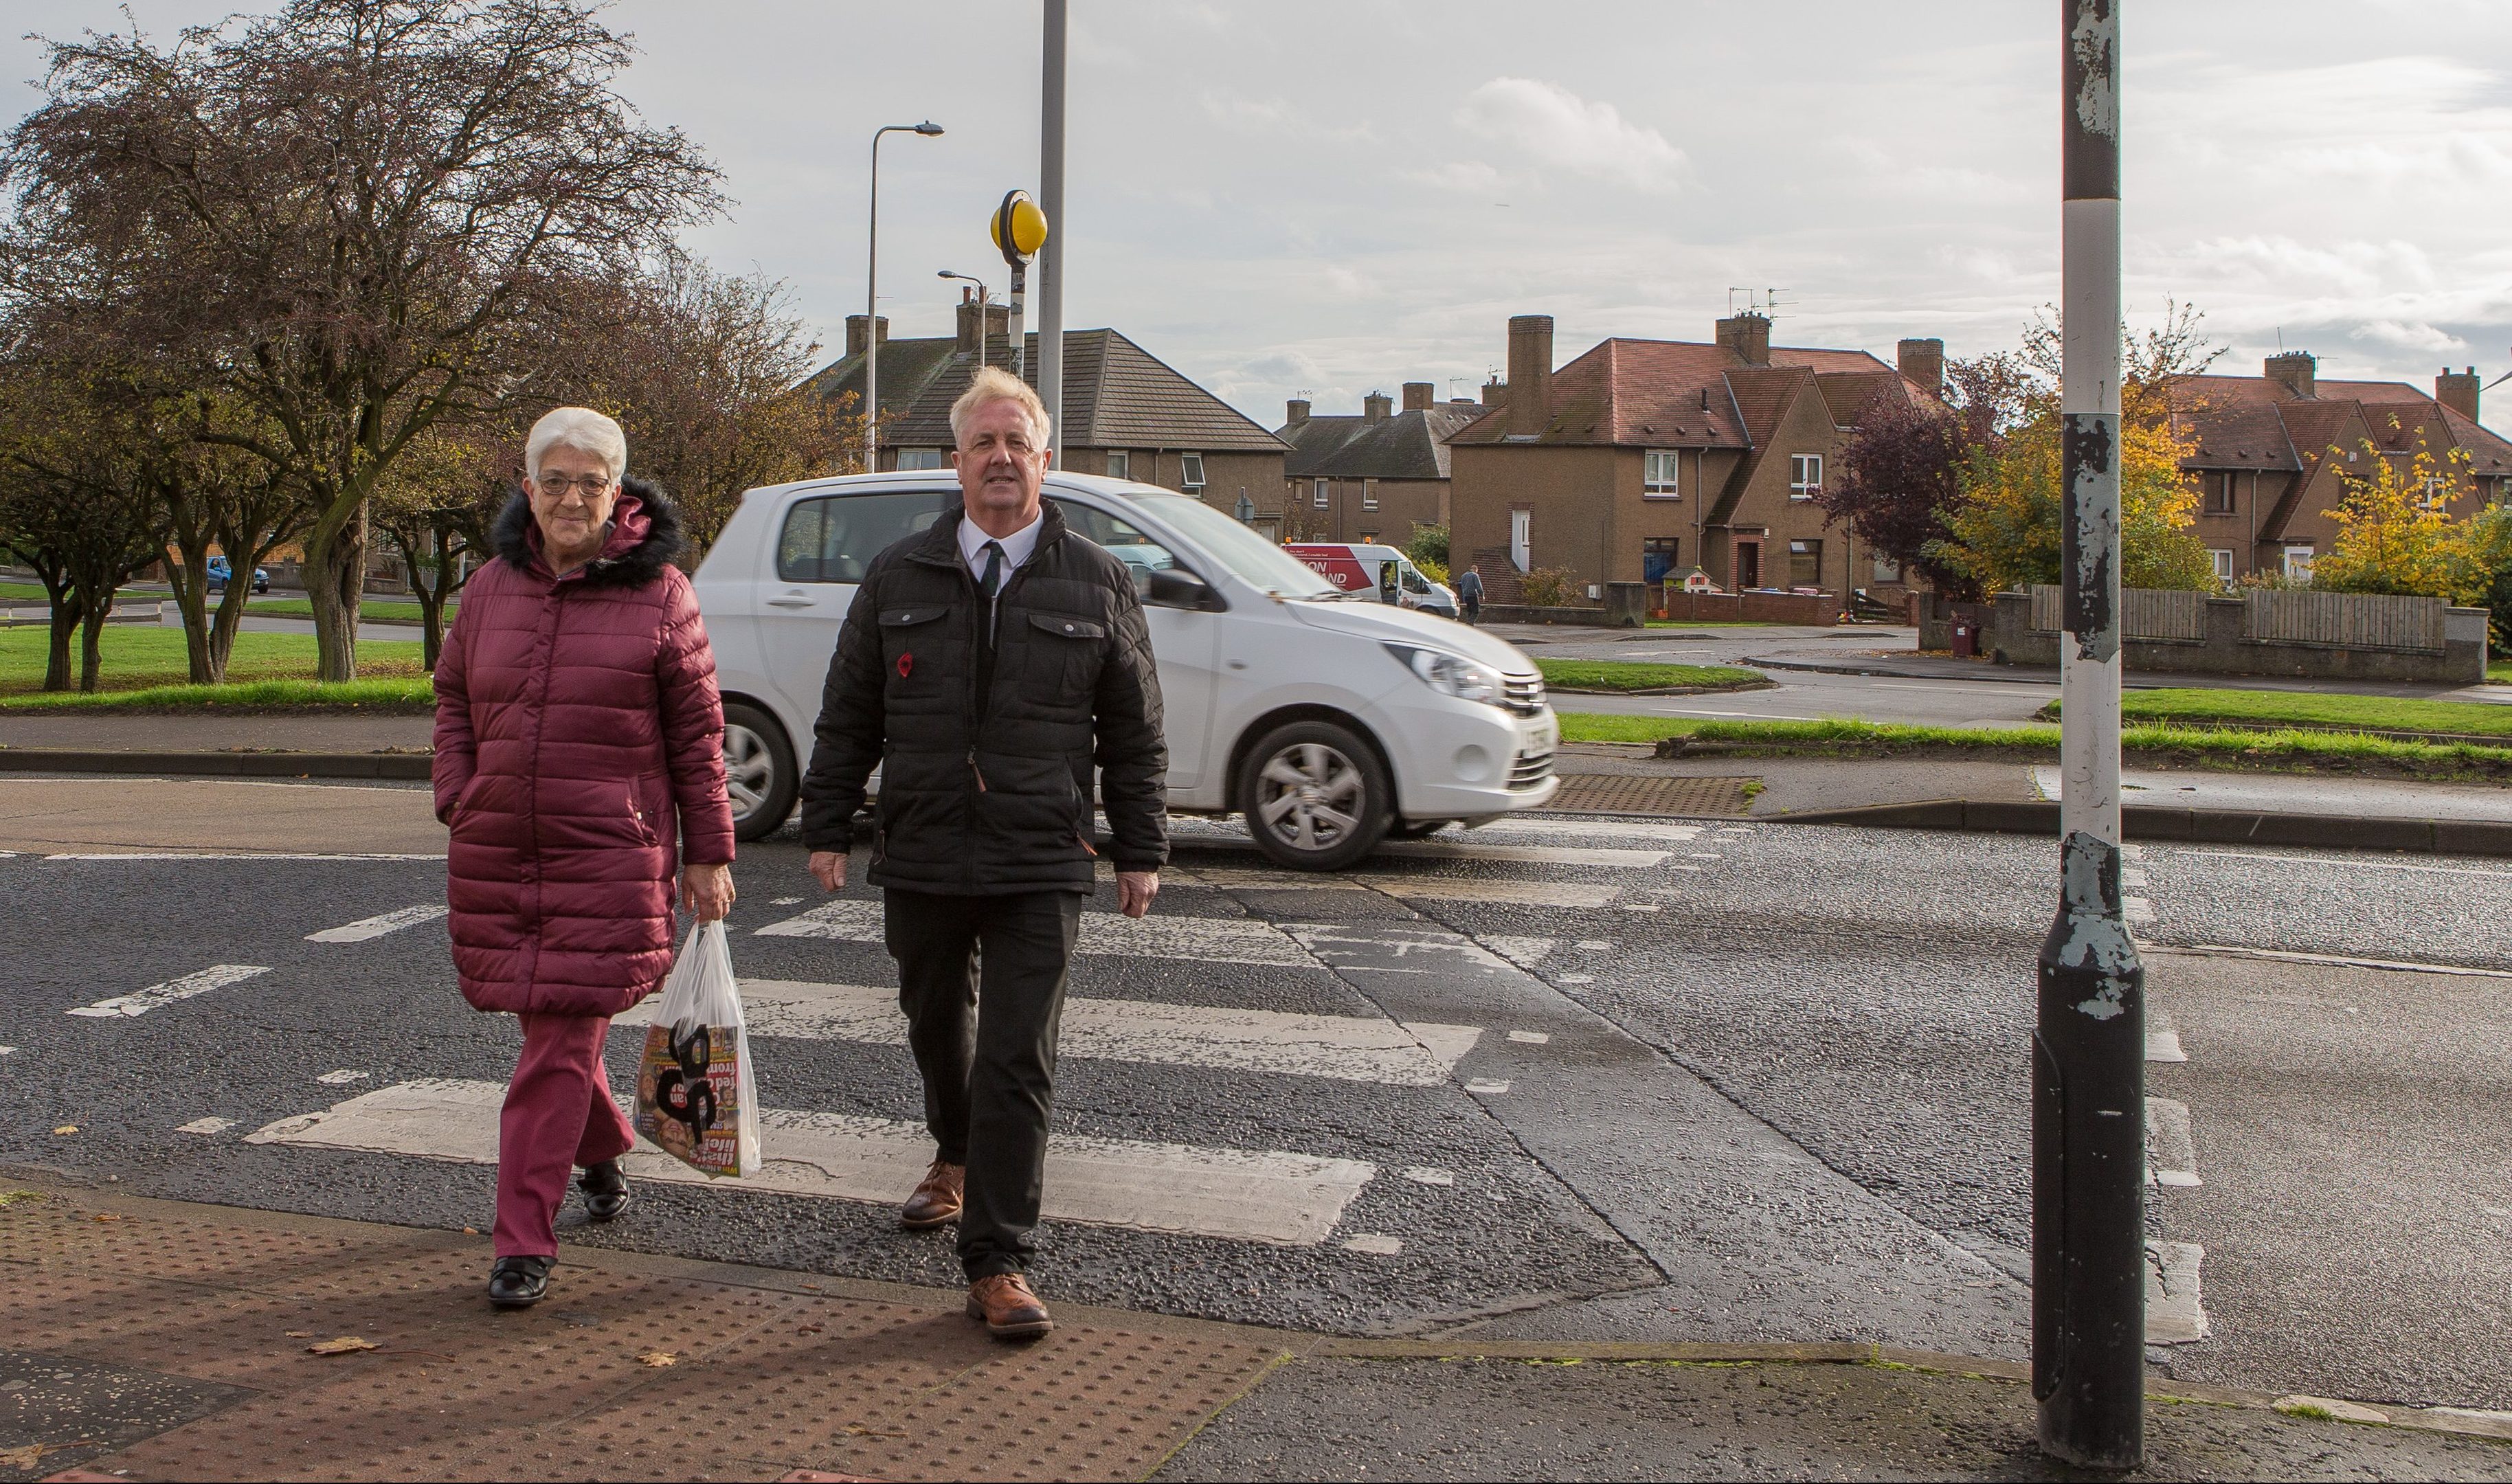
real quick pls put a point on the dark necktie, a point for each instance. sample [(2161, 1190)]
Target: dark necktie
[(992, 580)]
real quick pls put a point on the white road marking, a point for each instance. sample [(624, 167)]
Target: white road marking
[(1262, 1195), (342, 1078), (1576, 979), (1525, 952), (231, 855), (206, 1126), (1488, 1086), (1375, 1243), (1530, 1038), (1209, 939), (1639, 907), (785, 900), (1534, 855), (2171, 1154), (2174, 1315), (2396, 966), (2130, 875), (2351, 865), (7, 1051), (1577, 829), (376, 927), (1596, 945), (2162, 1037), (1345, 1048), (159, 995), (1430, 1174), (1700, 855), (2133, 851), (1406, 887), (2137, 909)]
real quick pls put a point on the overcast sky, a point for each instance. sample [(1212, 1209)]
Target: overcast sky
[(1295, 198)]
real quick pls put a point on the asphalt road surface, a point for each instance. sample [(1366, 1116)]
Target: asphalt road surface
[(1603, 1079)]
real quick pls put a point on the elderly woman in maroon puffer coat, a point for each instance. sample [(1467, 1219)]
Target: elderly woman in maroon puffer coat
[(579, 756)]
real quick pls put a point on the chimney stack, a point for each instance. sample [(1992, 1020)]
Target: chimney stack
[(856, 340), (1296, 411), (2296, 369), (1419, 395), (1530, 374), (1495, 392), (1375, 407), (2458, 393), (1922, 364), (1747, 335), (997, 319)]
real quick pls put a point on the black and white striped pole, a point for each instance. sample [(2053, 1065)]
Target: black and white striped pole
[(2088, 1047)]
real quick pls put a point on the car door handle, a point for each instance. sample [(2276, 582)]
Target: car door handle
[(794, 600)]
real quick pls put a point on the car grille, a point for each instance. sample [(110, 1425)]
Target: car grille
[(1522, 694), (1530, 771)]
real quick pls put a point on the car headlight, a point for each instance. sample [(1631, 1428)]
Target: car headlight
[(1451, 674)]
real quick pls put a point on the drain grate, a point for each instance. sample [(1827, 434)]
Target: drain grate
[(1615, 794)]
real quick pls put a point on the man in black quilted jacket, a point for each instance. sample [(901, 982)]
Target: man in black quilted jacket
[(986, 665)]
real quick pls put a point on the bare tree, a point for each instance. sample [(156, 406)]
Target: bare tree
[(360, 214)]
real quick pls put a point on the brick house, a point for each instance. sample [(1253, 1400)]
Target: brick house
[(2274, 451), (1643, 460), (1374, 477), (1126, 413)]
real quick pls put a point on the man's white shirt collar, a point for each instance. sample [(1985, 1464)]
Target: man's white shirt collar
[(1017, 546)]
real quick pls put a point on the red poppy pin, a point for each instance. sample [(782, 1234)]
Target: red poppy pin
[(906, 662)]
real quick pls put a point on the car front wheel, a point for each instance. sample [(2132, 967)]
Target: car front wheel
[(759, 771), (1316, 796)]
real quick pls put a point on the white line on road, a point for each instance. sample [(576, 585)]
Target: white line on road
[(1209, 940), (1423, 889), (206, 1126), (2137, 909), (159, 995), (1261, 1195), (1525, 952), (7, 1051), (2350, 864), (1430, 1174), (1345, 1048), (1577, 829), (1375, 1243), (2171, 1153), (2174, 1315), (376, 927), (2393, 965), (2162, 1037)]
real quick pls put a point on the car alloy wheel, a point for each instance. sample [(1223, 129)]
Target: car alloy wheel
[(748, 771), (759, 773), (1316, 796)]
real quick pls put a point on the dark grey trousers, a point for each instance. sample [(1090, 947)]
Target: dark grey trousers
[(983, 1027)]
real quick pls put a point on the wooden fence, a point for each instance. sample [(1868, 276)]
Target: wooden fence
[(2343, 620), (2145, 612)]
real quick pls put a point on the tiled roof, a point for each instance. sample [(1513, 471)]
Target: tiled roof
[(1652, 393), (1116, 394), (2258, 422), (1410, 444)]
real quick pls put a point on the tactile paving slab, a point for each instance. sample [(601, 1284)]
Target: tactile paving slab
[(760, 1380), (1616, 793)]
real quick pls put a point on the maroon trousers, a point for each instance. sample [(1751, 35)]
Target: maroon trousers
[(558, 1116)]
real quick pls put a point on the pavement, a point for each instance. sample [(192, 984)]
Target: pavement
[(1527, 1095)]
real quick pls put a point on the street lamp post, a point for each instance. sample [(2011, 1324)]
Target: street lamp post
[(1050, 199), (872, 295), (981, 310), (2089, 1041)]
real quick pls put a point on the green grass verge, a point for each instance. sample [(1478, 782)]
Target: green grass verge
[(1608, 726), (372, 610), (396, 696), (1625, 674), (22, 592), (2199, 706), (138, 656), (2499, 672)]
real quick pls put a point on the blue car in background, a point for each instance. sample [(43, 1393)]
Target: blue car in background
[(220, 573)]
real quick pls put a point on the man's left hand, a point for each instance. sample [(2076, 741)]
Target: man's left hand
[(1135, 890)]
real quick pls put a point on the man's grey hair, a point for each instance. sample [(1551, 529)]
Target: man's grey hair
[(993, 383), (582, 429)]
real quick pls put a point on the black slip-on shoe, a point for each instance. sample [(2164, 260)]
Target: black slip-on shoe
[(519, 1282), (605, 1191)]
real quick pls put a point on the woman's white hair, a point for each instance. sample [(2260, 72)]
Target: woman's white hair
[(995, 385), (582, 429)]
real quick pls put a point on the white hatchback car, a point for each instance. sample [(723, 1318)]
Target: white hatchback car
[(1330, 722)]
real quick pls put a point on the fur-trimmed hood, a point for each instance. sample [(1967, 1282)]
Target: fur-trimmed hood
[(644, 536)]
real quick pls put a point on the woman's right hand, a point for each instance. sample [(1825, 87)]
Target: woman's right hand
[(829, 868)]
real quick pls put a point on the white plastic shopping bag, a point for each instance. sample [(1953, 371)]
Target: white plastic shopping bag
[(694, 1098)]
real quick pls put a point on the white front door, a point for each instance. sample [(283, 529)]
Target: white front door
[(1520, 539)]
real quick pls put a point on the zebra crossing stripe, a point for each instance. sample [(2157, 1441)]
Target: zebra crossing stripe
[(159, 995), (1419, 888), (1209, 940), (1344, 1047), (376, 927), (1259, 1195)]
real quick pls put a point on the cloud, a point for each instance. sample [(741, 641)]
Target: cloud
[(1555, 126), (2418, 336), (1468, 177)]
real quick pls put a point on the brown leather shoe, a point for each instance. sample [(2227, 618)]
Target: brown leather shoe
[(936, 1202), (1010, 1310)]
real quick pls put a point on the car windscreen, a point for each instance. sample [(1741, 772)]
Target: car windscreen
[(1247, 555)]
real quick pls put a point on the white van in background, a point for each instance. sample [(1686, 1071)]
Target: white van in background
[(1380, 573), (1330, 721)]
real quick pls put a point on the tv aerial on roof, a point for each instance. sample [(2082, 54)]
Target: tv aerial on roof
[(1762, 302)]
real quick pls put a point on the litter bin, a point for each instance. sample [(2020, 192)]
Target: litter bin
[(1966, 639)]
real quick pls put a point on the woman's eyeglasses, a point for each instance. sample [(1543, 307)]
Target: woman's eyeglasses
[(556, 487)]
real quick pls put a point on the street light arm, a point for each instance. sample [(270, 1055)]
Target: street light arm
[(872, 293)]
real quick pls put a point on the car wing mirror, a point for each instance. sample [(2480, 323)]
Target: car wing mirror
[(1170, 587)]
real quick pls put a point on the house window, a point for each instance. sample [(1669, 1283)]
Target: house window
[(1887, 569), (920, 458), (1658, 474), (1319, 497), (1369, 494), (2222, 491), (1805, 565), (2298, 564), (1805, 475), (2223, 560), (1120, 464), (1658, 556), (1190, 471)]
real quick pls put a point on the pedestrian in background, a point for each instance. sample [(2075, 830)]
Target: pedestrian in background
[(579, 758), (986, 664), (1469, 592)]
